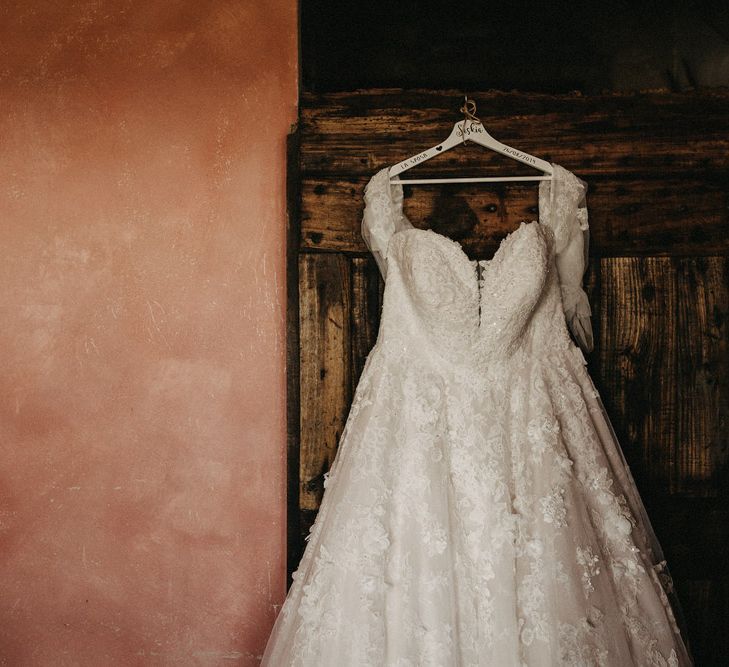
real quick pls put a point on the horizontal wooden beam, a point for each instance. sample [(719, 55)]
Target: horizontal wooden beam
[(642, 135), (634, 217)]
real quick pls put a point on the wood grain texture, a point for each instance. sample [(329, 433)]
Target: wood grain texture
[(702, 367), (621, 135), (633, 217), (637, 362), (663, 364), (325, 384)]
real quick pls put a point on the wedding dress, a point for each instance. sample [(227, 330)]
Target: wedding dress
[(479, 510)]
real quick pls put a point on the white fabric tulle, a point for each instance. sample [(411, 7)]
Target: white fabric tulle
[(479, 510)]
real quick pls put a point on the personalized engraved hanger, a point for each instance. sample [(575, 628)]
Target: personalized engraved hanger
[(471, 129)]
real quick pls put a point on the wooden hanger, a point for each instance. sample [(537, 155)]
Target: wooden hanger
[(471, 129)]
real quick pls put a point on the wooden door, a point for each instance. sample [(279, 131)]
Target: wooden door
[(657, 168)]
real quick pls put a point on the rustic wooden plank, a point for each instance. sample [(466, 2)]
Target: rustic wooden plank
[(637, 364), (624, 135), (626, 217), (325, 367), (663, 367), (365, 312), (702, 329)]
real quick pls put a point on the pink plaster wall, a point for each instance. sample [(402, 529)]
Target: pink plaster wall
[(142, 302)]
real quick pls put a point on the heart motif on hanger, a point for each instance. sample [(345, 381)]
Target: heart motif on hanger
[(439, 148)]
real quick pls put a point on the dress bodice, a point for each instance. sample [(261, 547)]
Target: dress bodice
[(473, 312)]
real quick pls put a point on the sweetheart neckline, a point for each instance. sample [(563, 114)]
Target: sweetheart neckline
[(474, 263), (395, 194), (459, 248)]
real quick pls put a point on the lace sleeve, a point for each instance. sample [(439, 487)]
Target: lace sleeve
[(377, 228), (382, 216), (572, 256)]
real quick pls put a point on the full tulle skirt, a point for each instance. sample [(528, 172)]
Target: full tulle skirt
[(482, 521)]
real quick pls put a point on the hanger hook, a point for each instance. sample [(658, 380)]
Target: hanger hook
[(469, 113)]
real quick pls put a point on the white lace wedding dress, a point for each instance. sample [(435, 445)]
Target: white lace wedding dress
[(479, 510)]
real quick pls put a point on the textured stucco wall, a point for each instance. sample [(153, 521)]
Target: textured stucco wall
[(142, 285)]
